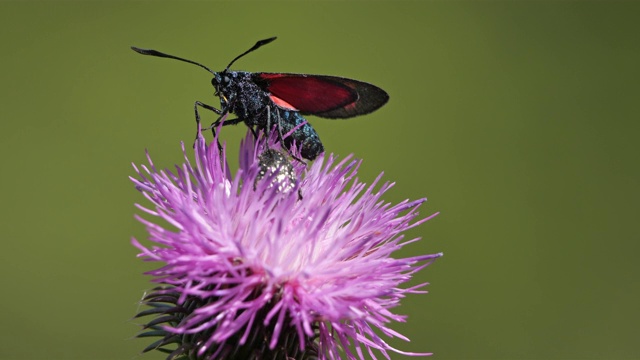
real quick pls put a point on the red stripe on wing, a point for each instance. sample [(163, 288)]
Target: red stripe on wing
[(310, 94), (283, 104)]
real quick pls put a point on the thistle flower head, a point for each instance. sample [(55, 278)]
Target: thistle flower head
[(280, 260)]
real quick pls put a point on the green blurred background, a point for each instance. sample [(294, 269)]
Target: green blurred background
[(518, 120)]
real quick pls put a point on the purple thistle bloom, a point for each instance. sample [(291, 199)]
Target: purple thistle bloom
[(279, 261)]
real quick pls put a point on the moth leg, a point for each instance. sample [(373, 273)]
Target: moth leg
[(267, 130), (207, 107), (253, 131), (226, 122), (281, 138)]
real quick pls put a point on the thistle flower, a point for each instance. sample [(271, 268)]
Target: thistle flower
[(278, 261)]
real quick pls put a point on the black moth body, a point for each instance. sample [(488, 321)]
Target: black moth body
[(240, 94)]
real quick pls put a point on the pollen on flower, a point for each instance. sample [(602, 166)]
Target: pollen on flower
[(251, 269), (274, 164)]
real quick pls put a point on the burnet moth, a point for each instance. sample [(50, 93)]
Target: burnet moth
[(262, 100)]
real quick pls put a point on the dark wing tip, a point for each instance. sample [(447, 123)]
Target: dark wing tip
[(370, 98)]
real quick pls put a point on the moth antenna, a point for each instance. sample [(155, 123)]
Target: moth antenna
[(161, 54), (254, 47)]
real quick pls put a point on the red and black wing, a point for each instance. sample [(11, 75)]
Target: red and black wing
[(325, 96)]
